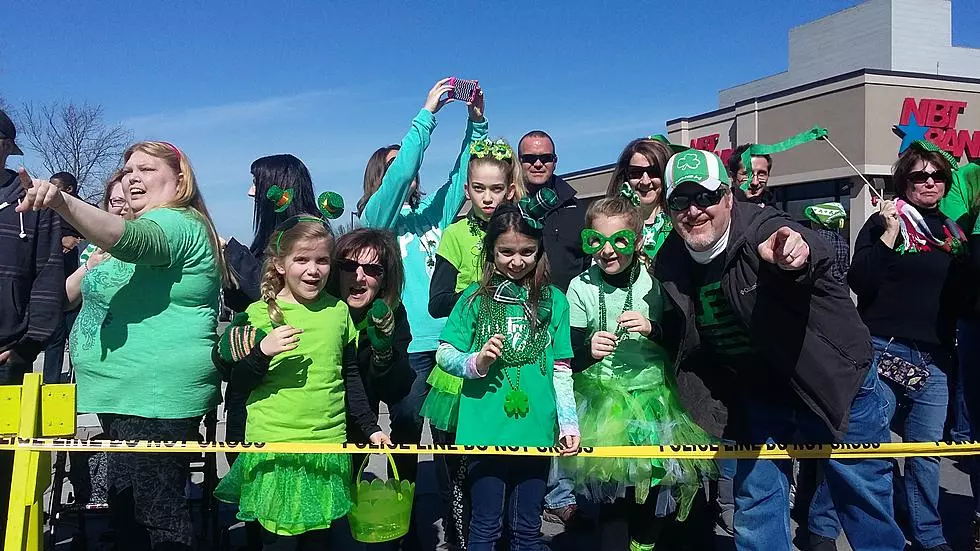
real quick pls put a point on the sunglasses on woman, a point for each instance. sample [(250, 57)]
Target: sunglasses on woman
[(634, 172), (702, 199), (370, 269), (922, 176)]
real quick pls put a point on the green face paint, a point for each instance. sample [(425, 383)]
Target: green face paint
[(623, 241)]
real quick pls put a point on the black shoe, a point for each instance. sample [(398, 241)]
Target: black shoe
[(943, 547), (822, 543)]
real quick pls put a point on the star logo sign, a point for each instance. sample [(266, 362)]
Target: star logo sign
[(910, 132), (689, 161)]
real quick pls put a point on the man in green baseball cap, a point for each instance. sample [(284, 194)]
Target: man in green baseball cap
[(781, 352)]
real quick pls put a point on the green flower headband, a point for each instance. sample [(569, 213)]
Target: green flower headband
[(630, 194), (623, 241), (498, 149)]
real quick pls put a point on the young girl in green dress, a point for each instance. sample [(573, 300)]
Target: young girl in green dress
[(296, 350), (507, 337), (623, 386)]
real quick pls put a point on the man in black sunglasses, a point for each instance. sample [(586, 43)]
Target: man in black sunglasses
[(563, 225), (768, 346)]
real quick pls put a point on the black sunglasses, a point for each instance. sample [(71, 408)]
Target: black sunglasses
[(702, 199), (634, 172), (922, 176), (351, 266), (545, 158)]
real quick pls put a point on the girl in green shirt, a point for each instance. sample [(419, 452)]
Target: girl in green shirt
[(517, 388), (296, 351)]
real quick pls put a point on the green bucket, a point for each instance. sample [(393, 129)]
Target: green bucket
[(381, 511)]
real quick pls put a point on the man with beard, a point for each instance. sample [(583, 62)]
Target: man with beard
[(770, 346)]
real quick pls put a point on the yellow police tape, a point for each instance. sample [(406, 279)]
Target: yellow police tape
[(720, 451)]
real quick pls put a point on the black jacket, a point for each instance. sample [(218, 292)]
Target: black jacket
[(386, 379), (563, 236), (32, 280), (803, 324), (247, 270)]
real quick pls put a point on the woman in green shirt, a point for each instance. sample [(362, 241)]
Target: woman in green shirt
[(142, 343)]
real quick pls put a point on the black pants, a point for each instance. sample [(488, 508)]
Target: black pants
[(314, 540), (645, 527), (147, 498)]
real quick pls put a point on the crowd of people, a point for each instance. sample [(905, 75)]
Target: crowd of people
[(683, 307)]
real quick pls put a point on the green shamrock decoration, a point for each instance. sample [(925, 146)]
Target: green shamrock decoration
[(516, 403)]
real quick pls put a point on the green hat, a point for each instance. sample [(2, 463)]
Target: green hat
[(331, 204), (676, 148), (927, 146), (701, 167), (828, 215)]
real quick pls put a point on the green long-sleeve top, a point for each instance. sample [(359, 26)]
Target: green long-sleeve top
[(420, 230)]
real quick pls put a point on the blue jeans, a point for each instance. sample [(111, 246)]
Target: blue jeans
[(406, 419), (560, 488), (507, 486), (968, 342), (920, 417), (861, 487)]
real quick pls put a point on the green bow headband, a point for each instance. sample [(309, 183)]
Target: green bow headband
[(535, 207), (498, 149), (623, 241), (630, 194)]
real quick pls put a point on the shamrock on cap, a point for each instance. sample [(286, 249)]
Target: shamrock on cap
[(689, 161)]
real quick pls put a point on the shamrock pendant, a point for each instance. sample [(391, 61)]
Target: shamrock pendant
[(516, 403)]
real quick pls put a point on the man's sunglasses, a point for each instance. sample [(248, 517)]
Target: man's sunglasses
[(922, 176), (702, 199), (545, 158), (351, 266), (634, 172)]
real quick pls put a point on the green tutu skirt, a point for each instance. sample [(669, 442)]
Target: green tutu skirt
[(620, 412), (441, 406), (289, 493)]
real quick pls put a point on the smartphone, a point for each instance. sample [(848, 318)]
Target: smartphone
[(463, 90)]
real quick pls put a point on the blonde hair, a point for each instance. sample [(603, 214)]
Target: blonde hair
[(511, 168), (281, 243), (188, 195)]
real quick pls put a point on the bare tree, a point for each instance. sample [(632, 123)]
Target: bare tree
[(76, 139)]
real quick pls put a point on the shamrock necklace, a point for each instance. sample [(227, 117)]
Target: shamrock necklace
[(627, 305), (493, 317)]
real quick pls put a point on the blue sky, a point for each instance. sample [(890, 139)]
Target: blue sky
[(330, 82)]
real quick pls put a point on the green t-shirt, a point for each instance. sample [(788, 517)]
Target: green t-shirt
[(302, 396), (482, 420), (142, 342), (462, 246), (635, 355), (960, 204)]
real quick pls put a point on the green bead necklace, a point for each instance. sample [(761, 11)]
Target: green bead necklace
[(627, 305), (493, 318)]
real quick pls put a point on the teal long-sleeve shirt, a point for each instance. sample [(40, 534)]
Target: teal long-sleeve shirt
[(420, 230)]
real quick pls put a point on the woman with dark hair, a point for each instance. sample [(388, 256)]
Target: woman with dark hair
[(909, 272), (366, 273), (641, 166), (288, 174)]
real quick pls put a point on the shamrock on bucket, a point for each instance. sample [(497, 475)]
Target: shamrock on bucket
[(381, 510)]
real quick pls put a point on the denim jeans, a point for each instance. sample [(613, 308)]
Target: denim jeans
[(511, 487), (561, 489), (406, 418), (919, 417), (863, 487), (968, 342)]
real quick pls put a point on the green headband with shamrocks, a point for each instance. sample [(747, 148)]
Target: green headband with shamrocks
[(623, 241)]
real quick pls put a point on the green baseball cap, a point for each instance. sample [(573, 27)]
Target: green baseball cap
[(700, 167)]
